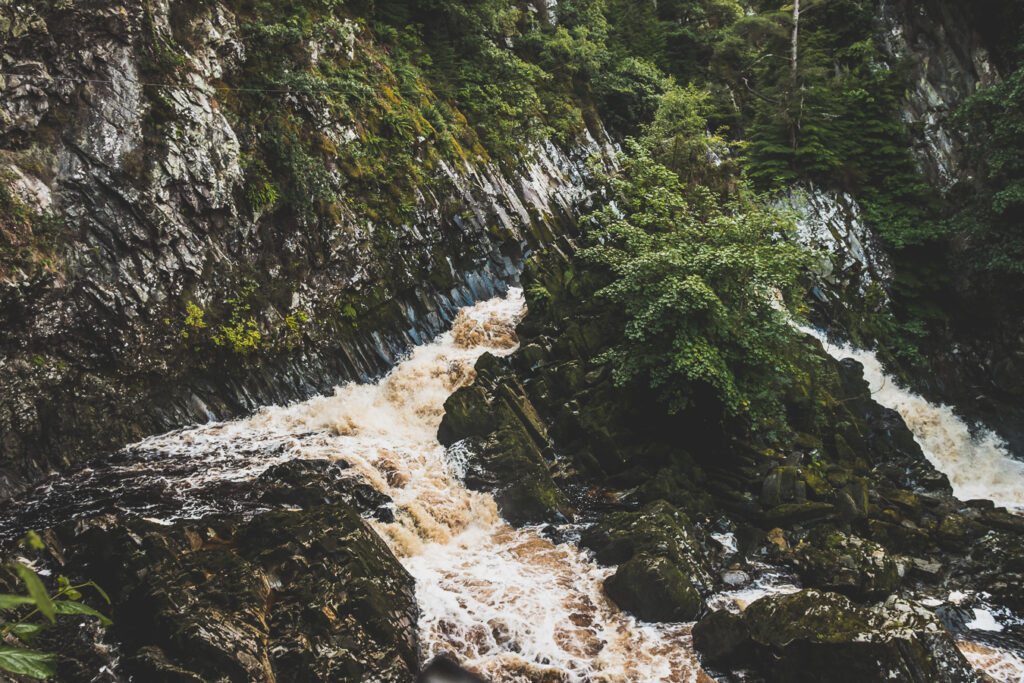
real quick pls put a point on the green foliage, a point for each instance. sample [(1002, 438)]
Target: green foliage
[(676, 35), (537, 292), (241, 336), (698, 282), (241, 333), (294, 327), (835, 120), (678, 138), (261, 191), (194, 319), (628, 93), (993, 120), (20, 625)]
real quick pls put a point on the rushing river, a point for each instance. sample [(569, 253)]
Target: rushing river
[(512, 605)]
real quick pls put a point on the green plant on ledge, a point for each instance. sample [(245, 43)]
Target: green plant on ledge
[(242, 335)]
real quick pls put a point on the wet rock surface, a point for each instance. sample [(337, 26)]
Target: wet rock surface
[(847, 564), (663, 572), (509, 440), (814, 636), (309, 592)]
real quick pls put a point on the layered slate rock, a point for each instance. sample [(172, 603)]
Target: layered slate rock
[(510, 444), (815, 636)]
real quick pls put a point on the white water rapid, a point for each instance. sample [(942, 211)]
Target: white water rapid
[(978, 464), (510, 604)]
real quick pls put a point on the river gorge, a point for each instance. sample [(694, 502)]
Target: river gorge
[(553, 341)]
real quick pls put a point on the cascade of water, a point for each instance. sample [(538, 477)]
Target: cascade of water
[(510, 604), (978, 464)]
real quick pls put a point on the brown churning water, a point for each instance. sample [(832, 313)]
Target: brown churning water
[(509, 603)]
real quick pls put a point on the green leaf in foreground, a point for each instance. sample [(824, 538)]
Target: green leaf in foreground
[(69, 607), (37, 590), (26, 632), (27, 662), (8, 601)]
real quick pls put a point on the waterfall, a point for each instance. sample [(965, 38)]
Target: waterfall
[(977, 463)]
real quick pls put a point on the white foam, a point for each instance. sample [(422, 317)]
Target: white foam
[(983, 621)]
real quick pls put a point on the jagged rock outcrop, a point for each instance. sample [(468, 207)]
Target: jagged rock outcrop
[(832, 223), (664, 571), (175, 286), (308, 592), (948, 62), (510, 446)]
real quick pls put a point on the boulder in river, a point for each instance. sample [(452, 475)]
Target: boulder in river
[(817, 636), (663, 573), (856, 567), (508, 444)]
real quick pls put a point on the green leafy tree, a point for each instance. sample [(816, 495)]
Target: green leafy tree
[(678, 138), (699, 283)]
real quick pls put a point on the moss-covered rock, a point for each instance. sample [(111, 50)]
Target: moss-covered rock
[(816, 636), (722, 638), (831, 560), (509, 446), (664, 573), (653, 588)]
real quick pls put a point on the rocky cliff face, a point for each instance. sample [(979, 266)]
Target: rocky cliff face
[(152, 277), (946, 65)]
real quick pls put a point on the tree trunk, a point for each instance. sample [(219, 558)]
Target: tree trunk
[(796, 38)]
